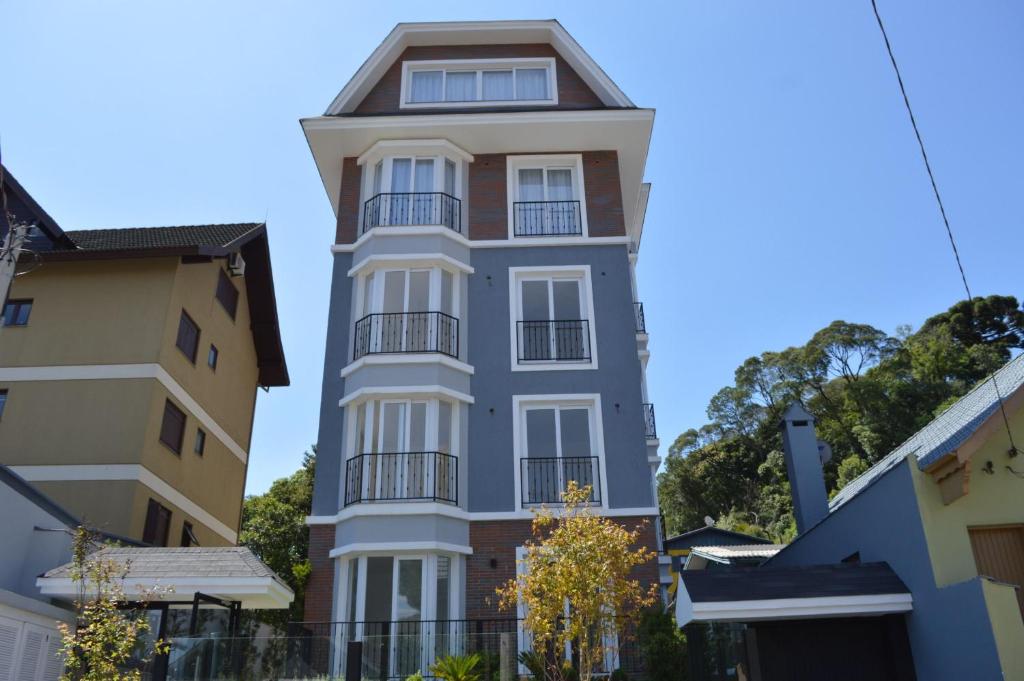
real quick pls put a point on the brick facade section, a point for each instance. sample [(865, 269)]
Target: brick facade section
[(385, 96), (320, 587), (348, 201), (497, 540), (488, 195), (603, 193), (488, 202)]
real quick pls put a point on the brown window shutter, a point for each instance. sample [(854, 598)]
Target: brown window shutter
[(172, 429), (188, 337), (227, 294)]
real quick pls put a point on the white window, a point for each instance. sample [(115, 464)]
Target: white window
[(412, 190), (401, 606), (552, 321), (487, 82), (407, 310), (557, 439), (546, 197), (401, 450)]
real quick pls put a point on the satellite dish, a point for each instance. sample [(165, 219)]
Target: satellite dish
[(709, 521)]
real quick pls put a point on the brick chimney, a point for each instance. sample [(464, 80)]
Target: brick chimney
[(804, 458)]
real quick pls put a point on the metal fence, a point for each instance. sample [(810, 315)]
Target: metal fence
[(560, 340), (543, 479), (392, 332), (546, 218), (650, 427), (412, 208), (402, 476)]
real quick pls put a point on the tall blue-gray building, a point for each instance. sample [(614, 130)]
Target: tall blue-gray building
[(486, 342)]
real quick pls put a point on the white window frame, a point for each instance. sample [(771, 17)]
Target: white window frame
[(377, 293), (516, 275), (478, 65), (428, 587), (592, 401), (574, 162)]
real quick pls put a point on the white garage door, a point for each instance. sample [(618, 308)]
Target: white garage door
[(28, 652)]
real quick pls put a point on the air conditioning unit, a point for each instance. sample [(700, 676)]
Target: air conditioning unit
[(236, 264)]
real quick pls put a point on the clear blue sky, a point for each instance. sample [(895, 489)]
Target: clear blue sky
[(788, 190)]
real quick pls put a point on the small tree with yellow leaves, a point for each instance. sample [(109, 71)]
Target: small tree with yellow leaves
[(575, 583), (108, 633)]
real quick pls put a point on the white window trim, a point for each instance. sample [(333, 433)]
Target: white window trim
[(478, 65), (515, 274), (431, 425), (516, 162), (590, 400)]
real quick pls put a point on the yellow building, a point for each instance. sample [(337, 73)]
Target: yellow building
[(129, 366)]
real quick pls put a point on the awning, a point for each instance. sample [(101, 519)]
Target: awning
[(779, 593), (231, 573)]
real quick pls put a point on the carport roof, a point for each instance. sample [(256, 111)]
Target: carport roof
[(766, 593)]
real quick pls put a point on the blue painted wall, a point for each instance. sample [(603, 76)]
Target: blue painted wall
[(491, 459), (949, 628), (330, 439)]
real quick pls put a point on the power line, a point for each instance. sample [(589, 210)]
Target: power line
[(938, 200)]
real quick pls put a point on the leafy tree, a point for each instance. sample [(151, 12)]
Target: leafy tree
[(109, 641), (663, 646), (868, 390), (274, 527), (576, 585), (849, 468)]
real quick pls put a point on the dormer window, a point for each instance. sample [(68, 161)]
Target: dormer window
[(488, 82)]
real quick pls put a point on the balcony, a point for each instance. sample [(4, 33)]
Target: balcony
[(402, 476), (650, 429), (561, 340), (638, 314), (546, 218), (412, 209), (395, 332), (543, 479)]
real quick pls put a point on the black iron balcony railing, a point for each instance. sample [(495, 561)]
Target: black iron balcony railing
[(650, 429), (412, 208), (546, 218), (402, 476), (391, 332), (638, 313), (543, 479), (560, 340)]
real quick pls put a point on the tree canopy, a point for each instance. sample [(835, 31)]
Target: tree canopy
[(274, 527), (868, 390)]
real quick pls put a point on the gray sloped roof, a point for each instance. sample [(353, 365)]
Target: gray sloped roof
[(803, 581), (154, 562), (134, 238), (946, 432)]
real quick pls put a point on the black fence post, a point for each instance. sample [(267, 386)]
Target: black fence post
[(354, 661)]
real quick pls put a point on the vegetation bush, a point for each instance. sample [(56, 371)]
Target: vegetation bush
[(663, 647)]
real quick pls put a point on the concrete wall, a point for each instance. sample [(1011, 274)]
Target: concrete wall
[(950, 631), (126, 312), (28, 552)]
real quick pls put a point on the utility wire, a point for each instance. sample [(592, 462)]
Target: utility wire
[(938, 200)]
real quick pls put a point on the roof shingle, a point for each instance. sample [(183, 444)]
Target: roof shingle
[(136, 238)]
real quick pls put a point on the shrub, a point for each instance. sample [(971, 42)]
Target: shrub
[(456, 668), (619, 675), (663, 646)]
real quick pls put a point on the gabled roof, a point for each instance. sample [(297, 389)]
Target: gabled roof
[(708, 535), (208, 238), (737, 552), (25, 209), (476, 33), (948, 431), (229, 572), (204, 241)]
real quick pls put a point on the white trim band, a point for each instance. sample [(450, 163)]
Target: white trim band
[(406, 390), (390, 548), (392, 359), (95, 372), (789, 608), (126, 471), (430, 508)]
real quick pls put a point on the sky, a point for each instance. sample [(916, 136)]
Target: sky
[(788, 190)]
